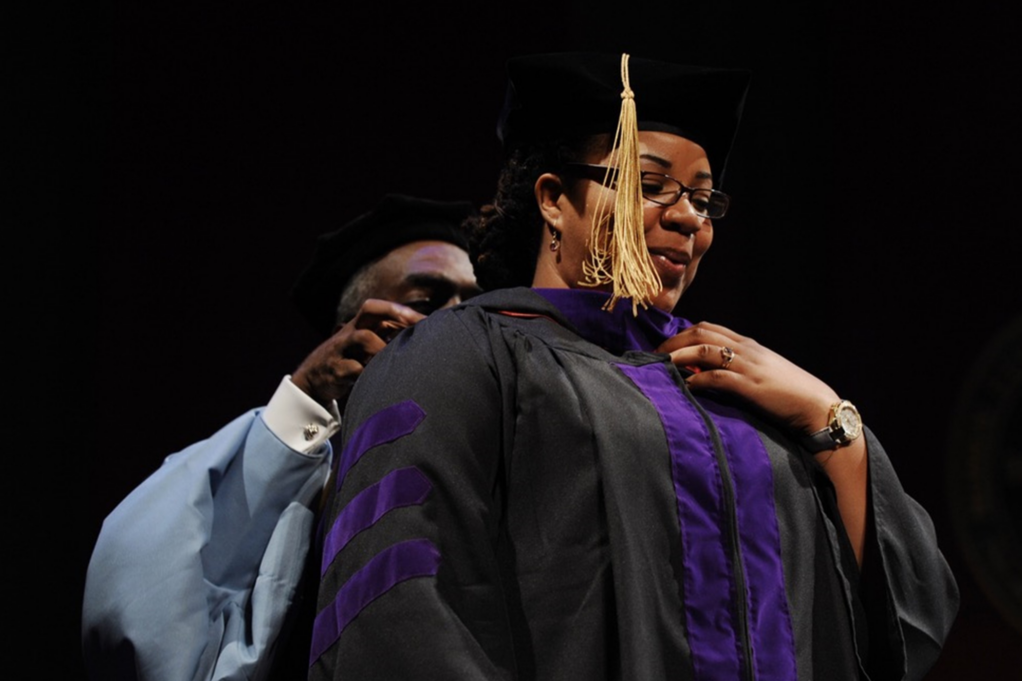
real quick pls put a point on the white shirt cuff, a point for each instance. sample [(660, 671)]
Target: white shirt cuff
[(299, 421)]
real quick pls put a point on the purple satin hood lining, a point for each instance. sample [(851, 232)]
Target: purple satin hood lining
[(708, 572), (395, 564), (399, 488), (384, 426), (617, 330)]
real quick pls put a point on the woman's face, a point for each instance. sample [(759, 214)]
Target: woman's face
[(676, 237)]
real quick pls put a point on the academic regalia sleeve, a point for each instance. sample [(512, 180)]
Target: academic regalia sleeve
[(410, 585), (193, 571), (907, 587)]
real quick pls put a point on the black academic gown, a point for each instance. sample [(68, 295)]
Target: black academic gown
[(517, 502)]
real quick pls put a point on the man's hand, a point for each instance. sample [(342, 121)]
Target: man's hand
[(330, 371)]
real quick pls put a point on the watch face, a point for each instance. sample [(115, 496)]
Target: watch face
[(848, 419)]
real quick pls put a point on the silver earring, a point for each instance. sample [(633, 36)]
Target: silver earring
[(555, 240)]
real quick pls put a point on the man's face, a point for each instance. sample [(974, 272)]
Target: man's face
[(426, 276)]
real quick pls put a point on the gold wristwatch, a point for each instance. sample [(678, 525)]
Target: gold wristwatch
[(843, 426)]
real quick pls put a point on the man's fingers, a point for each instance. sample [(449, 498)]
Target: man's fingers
[(387, 329), (375, 312), (362, 345)]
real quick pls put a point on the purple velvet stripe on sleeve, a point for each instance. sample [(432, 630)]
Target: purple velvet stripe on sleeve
[(706, 561), (403, 487), (384, 426), (395, 564), (773, 642)]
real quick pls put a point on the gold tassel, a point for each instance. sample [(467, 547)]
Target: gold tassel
[(617, 239)]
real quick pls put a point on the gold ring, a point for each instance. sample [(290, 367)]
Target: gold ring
[(728, 355)]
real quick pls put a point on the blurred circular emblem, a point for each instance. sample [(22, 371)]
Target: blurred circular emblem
[(984, 467)]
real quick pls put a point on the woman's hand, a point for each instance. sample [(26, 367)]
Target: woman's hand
[(784, 392)]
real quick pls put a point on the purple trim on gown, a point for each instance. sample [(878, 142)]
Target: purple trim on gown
[(773, 641), (384, 426), (399, 488), (709, 617), (395, 564)]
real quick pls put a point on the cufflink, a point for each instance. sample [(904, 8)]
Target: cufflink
[(310, 431)]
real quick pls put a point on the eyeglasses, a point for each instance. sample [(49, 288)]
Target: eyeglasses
[(663, 189)]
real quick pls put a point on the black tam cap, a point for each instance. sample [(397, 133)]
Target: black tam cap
[(395, 221), (575, 94)]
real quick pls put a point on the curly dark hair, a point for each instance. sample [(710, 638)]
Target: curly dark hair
[(504, 236)]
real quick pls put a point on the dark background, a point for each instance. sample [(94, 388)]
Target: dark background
[(873, 238)]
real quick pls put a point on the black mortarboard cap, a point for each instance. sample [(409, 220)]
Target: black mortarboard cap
[(572, 94), (338, 255)]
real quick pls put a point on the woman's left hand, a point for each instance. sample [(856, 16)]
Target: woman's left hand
[(737, 364)]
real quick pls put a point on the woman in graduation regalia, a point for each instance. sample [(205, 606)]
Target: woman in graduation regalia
[(562, 480)]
